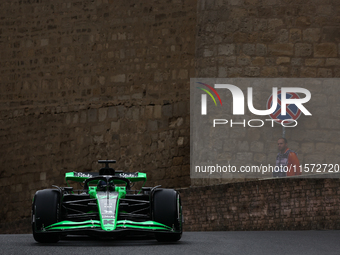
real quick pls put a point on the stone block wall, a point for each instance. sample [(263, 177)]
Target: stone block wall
[(274, 39), (88, 80), (273, 204), (268, 38)]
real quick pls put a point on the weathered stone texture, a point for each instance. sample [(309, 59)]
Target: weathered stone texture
[(85, 80), (88, 80), (277, 204), (272, 29), (272, 39)]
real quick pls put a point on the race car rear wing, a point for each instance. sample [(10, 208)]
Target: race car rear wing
[(82, 176)]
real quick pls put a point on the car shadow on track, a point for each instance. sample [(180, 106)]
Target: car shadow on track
[(126, 241)]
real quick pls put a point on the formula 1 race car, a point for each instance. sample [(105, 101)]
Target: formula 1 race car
[(106, 206)]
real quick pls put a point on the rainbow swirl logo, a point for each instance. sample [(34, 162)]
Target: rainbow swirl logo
[(204, 97)]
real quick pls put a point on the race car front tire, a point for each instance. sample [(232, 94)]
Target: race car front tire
[(167, 210), (45, 211)]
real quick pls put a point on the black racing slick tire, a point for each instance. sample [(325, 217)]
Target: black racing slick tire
[(167, 210), (45, 211)]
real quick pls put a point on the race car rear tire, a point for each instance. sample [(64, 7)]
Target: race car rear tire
[(45, 211), (168, 211)]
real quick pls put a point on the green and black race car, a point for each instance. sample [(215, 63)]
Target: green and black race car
[(106, 206)]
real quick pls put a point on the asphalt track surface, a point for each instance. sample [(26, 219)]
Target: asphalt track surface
[(238, 242)]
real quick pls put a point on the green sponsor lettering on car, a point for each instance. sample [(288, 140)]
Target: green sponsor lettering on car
[(106, 206)]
